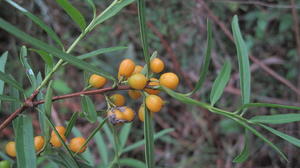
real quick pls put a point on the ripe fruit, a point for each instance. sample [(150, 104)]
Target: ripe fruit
[(115, 116), (97, 81), (38, 143), (10, 149), (126, 68), (154, 103), (137, 81), (134, 94), (4, 164), (76, 145), (154, 82), (142, 113), (137, 69), (128, 113), (169, 80), (157, 65), (118, 99), (54, 140)]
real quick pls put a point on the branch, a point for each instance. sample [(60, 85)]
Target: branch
[(29, 103)]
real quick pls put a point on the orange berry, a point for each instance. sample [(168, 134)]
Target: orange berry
[(142, 113), (169, 80), (10, 149), (60, 129), (38, 143), (137, 81), (154, 103), (126, 68), (128, 113), (137, 69), (134, 94), (55, 141), (154, 82), (97, 81), (118, 99), (157, 65), (115, 116), (76, 145)]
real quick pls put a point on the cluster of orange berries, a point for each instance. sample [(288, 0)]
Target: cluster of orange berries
[(75, 145), (138, 82)]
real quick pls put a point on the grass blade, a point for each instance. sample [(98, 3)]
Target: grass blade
[(73, 13), (243, 156), (88, 108), (132, 163), (220, 83), (292, 140), (6, 78), (52, 50), (276, 119), (3, 60), (206, 60), (28, 69), (24, 142), (100, 51), (37, 21), (243, 60)]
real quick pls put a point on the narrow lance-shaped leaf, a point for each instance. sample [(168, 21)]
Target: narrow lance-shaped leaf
[(102, 148), (276, 118), (220, 83), (88, 108), (37, 21), (132, 163), (124, 133), (269, 105), (47, 58), (9, 98), (243, 61), (92, 5), (71, 123), (52, 50), (243, 156), (9, 80), (28, 70), (3, 60), (48, 99), (73, 13), (206, 61), (24, 142), (100, 51)]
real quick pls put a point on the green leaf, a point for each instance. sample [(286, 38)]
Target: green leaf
[(88, 108), (61, 86), (290, 139), (3, 60), (124, 133), (47, 58), (14, 93), (37, 21), (149, 140), (100, 51), (243, 60), (220, 83), (276, 119), (9, 80), (24, 142), (9, 98), (110, 11), (48, 99), (269, 105), (3, 156), (243, 156), (141, 142), (73, 13), (102, 148), (92, 5), (28, 69), (206, 61), (129, 162), (52, 50), (71, 123)]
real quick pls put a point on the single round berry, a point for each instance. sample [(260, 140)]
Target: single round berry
[(137, 69), (39, 143), (55, 141), (4, 164), (10, 149), (169, 80), (154, 103), (157, 65), (134, 94), (60, 129), (137, 81), (76, 145), (118, 99), (153, 82), (128, 113), (97, 81), (115, 116), (126, 68)]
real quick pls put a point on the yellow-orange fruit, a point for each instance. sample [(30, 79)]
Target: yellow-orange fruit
[(97, 81), (134, 94), (137, 81), (76, 145), (157, 65), (137, 69), (141, 113), (169, 80), (128, 113), (55, 141), (153, 82), (10, 149), (118, 99), (60, 129), (39, 143), (126, 68), (154, 103)]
